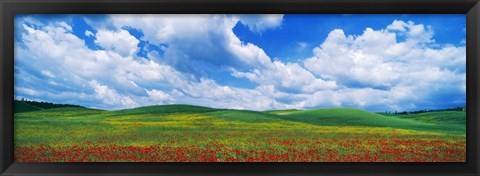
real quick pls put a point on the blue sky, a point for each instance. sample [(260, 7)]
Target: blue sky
[(258, 62)]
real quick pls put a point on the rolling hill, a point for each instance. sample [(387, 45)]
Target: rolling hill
[(357, 117), (176, 108), (27, 106), (446, 121), (191, 133), (441, 117), (20, 106)]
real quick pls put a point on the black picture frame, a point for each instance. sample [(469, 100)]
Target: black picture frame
[(8, 8)]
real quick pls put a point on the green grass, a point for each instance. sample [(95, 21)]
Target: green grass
[(28, 106), (282, 112), (245, 116), (441, 117), (356, 117), (226, 129), (197, 116), (20, 106), (164, 109), (82, 124)]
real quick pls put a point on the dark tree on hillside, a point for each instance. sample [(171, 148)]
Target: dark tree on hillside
[(45, 105), (432, 110)]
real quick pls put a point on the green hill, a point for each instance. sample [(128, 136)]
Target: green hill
[(445, 121), (356, 117), (441, 117), (187, 133), (164, 109), (28, 106), (61, 112), (282, 112), (20, 106), (322, 117), (245, 116)]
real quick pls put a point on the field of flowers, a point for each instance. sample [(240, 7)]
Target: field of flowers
[(83, 135)]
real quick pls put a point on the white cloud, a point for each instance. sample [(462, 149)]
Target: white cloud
[(402, 70), (197, 40), (159, 96), (373, 70), (119, 41), (78, 65), (120, 81), (89, 33), (302, 45), (208, 92), (192, 39), (159, 29), (249, 53), (27, 91), (414, 32), (65, 26), (290, 76), (397, 25), (110, 96), (260, 23), (47, 73), (55, 37), (376, 58)]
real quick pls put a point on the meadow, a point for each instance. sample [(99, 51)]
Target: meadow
[(185, 133)]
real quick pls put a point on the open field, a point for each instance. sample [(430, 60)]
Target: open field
[(184, 133)]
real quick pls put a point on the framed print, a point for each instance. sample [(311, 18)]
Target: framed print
[(239, 88)]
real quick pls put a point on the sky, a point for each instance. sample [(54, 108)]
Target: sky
[(257, 62)]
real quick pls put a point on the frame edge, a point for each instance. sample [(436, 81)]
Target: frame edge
[(6, 78), (2, 168), (2, 123), (473, 56), (6, 74)]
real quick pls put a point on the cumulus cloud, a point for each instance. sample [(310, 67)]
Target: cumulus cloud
[(395, 68), (301, 45), (260, 23), (111, 76), (210, 41), (65, 26), (376, 59), (47, 73), (89, 33), (77, 66), (110, 96), (414, 32), (160, 97), (289, 77), (26, 91), (119, 41), (188, 36)]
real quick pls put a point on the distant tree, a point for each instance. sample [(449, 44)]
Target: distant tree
[(46, 105)]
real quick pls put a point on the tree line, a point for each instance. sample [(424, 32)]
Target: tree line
[(460, 108), (44, 105)]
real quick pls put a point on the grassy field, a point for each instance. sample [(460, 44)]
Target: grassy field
[(184, 133)]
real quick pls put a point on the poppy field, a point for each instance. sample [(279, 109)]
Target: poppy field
[(184, 133)]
